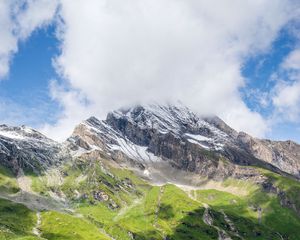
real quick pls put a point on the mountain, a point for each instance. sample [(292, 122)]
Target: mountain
[(174, 134), (26, 148), (148, 172)]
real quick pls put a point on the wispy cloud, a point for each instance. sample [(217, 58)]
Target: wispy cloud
[(286, 96), (21, 112), (18, 19)]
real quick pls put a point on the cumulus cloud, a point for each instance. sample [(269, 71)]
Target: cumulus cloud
[(74, 106), (8, 42), (286, 97), (123, 52), (292, 62), (18, 19)]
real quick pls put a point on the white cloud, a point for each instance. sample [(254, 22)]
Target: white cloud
[(286, 96), (292, 62), (121, 52), (18, 19), (75, 107), (241, 118), (287, 100), (8, 41)]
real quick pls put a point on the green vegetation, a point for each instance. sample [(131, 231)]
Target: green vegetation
[(58, 226), (38, 184), (257, 216), (131, 208), (140, 218), (16, 221), (8, 183), (290, 187)]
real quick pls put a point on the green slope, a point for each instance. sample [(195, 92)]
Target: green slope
[(16, 221), (133, 209)]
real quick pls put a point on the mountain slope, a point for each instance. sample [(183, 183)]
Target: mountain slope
[(27, 149), (183, 139), (148, 172)]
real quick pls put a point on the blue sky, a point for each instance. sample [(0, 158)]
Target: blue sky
[(258, 71), (70, 61), (27, 85)]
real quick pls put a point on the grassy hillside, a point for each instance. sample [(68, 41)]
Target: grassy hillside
[(106, 202), (8, 182), (16, 221)]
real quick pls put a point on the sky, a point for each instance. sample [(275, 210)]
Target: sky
[(62, 61)]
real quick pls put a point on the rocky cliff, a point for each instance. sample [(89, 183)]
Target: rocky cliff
[(175, 135), (154, 136), (26, 148), (148, 172)]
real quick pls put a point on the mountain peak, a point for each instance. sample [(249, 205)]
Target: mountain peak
[(24, 147), (164, 118), (21, 133), (176, 133)]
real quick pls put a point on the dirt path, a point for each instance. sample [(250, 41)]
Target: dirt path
[(124, 210), (155, 225), (106, 234), (36, 230), (192, 195), (161, 192)]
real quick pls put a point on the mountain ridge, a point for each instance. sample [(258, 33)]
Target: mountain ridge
[(209, 133), (140, 123), (148, 172)]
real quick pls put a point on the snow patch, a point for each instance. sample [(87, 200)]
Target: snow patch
[(11, 134), (27, 129), (134, 151), (198, 137), (200, 144), (146, 172)]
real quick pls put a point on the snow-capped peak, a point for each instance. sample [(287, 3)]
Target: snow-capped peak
[(21, 133), (176, 119), (24, 147), (133, 130)]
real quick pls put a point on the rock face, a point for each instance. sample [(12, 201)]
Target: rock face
[(152, 137), (285, 155), (153, 134), (23, 147)]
